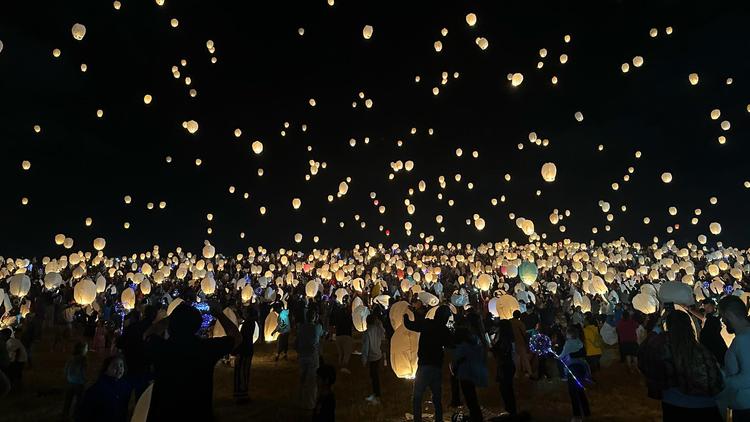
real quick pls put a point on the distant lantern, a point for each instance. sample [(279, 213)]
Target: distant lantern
[(693, 78), (471, 19), (99, 243), (174, 22), (59, 239), (672, 211), (343, 188), (128, 199), (56, 53), (563, 58), (88, 222), (209, 251), (257, 147), (482, 42), (666, 177), (208, 285), (19, 285), (26, 164), (725, 125), (298, 238), (579, 116), (191, 126), (79, 31), (549, 172), (296, 203), (367, 32), (438, 46), (147, 99), (625, 67), (479, 224), (715, 228), (637, 61), (516, 79)]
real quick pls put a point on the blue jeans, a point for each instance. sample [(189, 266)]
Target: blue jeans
[(428, 376)]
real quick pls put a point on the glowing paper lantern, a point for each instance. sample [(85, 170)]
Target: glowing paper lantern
[(484, 282), (99, 243), (79, 31), (715, 228), (191, 126), (84, 292), (311, 288), (666, 177), (127, 298), (645, 303), (218, 330), (209, 251), (140, 413), (296, 203), (270, 325), (397, 312), (19, 285), (482, 43), (247, 293), (257, 147), (52, 280), (101, 284), (516, 79), (693, 78), (59, 239), (506, 305), (528, 272), (208, 285), (404, 347), (343, 188), (359, 318), (471, 19), (367, 32), (549, 172), (479, 224), (579, 116)]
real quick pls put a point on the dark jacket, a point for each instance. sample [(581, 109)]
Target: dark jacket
[(711, 338), (434, 336)]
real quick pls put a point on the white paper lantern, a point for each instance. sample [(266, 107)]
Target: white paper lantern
[(84, 292)]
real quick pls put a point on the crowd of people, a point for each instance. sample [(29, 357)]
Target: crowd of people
[(537, 321)]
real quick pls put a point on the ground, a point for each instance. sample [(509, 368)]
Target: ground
[(616, 396)]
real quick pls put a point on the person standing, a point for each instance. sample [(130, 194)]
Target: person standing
[(469, 363), (342, 320), (108, 396), (592, 342), (244, 354), (502, 349), (520, 344), (283, 327), (308, 350), (133, 347), (434, 337), (628, 339), (573, 354), (372, 354), (184, 364), (17, 356), (736, 395), (688, 374), (710, 335)]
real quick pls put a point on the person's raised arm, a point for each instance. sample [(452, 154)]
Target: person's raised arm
[(412, 325), (157, 328), (229, 328)]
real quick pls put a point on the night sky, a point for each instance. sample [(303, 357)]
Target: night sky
[(266, 73)]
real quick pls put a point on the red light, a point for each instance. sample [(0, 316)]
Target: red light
[(387, 232)]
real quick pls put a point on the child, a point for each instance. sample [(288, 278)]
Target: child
[(325, 408), (75, 375)]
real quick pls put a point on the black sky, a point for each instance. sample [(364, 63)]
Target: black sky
[(83, 166)]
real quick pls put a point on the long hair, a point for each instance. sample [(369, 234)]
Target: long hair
[(682, 342)]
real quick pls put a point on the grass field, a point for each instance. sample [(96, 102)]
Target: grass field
[(616, 395)]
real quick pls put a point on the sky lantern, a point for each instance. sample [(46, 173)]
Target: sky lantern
[(637, 61), (438, 46), (715, 228), (482, 42), (59, 239), (471, 19), (549, 172), (367, 32), (298, 238), (99, 243), (296, 203), (343, 188), (666, 177), (579, 116), (127, 298), (479, 224), (191, 126), (26, 165), (147, 99), (19, 285), (84, 292), (257, 147), (715, 114), (693, 78), (516, 79), (79, 31), (209, 251)]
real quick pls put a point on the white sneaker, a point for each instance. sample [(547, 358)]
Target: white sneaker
[(370, 398)]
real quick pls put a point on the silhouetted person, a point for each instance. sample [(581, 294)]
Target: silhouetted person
[(108, 398), (184, 364)]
